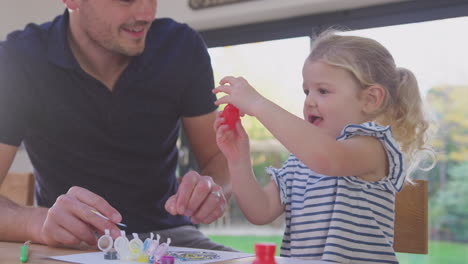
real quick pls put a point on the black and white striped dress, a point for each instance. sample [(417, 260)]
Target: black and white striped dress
[(341, 219)]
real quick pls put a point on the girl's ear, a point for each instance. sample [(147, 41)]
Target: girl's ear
[(373, 98)]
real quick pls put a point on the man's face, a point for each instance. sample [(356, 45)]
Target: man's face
[(119, 26)]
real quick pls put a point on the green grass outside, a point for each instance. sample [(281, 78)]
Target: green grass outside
[(439, 252)]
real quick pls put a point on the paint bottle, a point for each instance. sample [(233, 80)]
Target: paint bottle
[(265, 253)]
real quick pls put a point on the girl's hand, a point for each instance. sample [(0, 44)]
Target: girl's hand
[(233, 143), (239, 93)]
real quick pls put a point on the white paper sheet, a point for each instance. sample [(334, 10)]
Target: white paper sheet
[(98, 257)]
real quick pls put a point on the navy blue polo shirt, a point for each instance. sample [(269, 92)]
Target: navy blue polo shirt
[(120, 144)]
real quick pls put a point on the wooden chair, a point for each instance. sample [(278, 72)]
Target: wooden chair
[(18, 187), (411, 219)]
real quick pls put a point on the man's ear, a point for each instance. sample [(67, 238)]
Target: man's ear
[(70, 4), (373, 97)]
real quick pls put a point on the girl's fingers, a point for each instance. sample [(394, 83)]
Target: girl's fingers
[(222, 89), (227, 79), (218, 121), (240, 129), (218, 126), (223, 128), (221, 131), (222, 100), (224, 133)]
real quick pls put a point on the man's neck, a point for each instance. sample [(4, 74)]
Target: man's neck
[(104, 65)]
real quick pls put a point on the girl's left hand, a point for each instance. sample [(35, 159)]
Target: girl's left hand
[(239, 93), (233, 143)]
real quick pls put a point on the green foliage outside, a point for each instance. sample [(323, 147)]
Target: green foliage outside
[(439, 252), (449, 212), (450, 106), (448, 206)]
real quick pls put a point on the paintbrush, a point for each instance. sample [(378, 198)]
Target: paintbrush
[(99, 214)]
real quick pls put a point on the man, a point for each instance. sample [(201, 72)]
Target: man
[(97, 96)]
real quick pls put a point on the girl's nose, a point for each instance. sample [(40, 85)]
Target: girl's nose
[(309, 100)]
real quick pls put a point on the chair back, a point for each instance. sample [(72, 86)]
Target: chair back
[(18, 187), (411, 219)]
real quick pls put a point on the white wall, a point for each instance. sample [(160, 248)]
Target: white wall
[(15, 14)]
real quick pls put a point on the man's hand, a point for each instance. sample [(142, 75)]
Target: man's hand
[(70, 220), (198, 197)]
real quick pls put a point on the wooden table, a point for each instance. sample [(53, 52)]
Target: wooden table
[(9, 254)]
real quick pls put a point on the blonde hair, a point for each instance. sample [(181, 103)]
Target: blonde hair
[(372, 64)]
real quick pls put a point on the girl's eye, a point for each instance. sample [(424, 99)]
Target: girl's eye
[(306, 92), (322, 91)]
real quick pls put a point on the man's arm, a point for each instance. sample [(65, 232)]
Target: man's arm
[(210, 159), (17, 223), (68, 222), (203, 198)]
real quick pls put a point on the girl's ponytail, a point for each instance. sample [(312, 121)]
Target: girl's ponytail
[(406, 116)]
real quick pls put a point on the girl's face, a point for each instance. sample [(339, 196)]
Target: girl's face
[(332, 97)]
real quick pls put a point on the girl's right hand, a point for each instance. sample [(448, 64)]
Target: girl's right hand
[(239, 93), (233, 143)]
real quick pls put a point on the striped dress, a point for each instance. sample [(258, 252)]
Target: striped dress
[(341, 219)]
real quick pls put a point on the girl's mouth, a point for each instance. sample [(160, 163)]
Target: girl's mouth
[(315, 120)]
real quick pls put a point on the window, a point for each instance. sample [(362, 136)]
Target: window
[(436, 52)]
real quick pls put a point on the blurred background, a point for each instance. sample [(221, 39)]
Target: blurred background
[(266, 41)]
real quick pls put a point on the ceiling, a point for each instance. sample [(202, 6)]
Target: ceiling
[(255, 11)]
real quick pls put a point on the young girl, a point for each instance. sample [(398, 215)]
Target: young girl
[(363, 121)]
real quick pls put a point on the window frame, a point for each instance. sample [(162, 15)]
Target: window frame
[(375, 16)]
